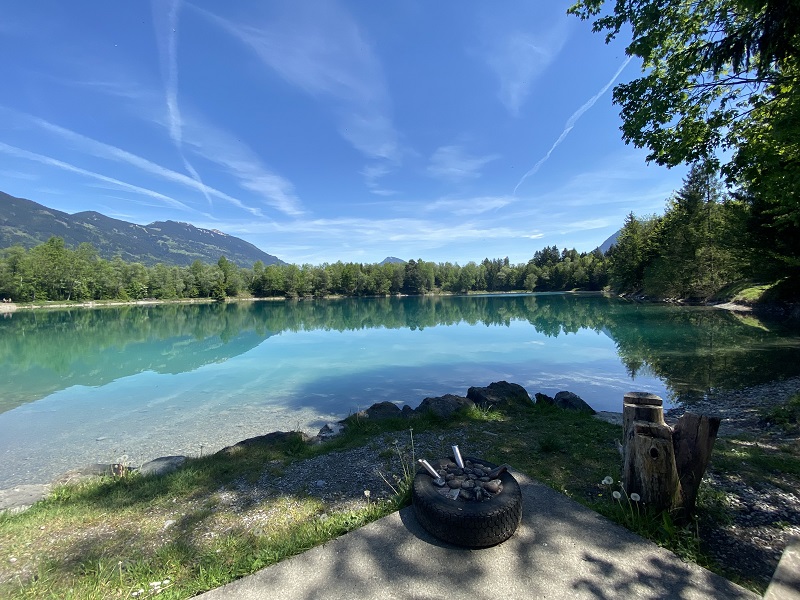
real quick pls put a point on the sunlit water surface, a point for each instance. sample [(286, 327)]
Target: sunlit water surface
[(134, 383)]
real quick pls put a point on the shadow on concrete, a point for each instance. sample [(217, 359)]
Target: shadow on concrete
[(561, 550)]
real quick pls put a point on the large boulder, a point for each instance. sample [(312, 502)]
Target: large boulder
[(544, 399), (444, 406), (276, 438), (499, 394), (570, 401), (379, 411), (162, 465)]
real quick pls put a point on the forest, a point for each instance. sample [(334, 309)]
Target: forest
[(718, 91), (54, 272)]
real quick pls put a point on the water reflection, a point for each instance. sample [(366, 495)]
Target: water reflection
[(692, 350)]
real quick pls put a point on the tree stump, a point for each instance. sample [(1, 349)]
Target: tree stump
[(664, 466), (693, 439)]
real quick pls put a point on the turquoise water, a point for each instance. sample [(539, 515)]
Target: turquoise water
[(136, 382)]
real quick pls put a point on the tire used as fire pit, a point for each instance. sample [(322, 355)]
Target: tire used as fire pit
[(474, 524)]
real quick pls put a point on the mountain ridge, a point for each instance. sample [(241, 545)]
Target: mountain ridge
[(27, 223)]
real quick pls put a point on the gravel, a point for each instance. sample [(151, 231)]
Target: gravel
[(759, 521)]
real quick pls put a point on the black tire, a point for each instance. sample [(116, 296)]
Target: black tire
[(470, 524)]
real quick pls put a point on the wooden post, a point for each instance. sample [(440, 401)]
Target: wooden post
[(693, 438), (649, 458), (661, 464)]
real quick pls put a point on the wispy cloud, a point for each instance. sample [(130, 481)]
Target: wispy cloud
[(519, 58), (453, 164), (571, 123), (372, 175), (64, 166), (362, 230), (237, 159), (109, 152), (469, 206), (322, 51)]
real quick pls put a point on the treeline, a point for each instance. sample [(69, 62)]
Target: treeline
[(54, 272), (706, 240)]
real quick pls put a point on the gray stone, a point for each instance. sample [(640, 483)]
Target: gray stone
[(570, 401), (381, 410), (275, 438), (162, 465), (330, 430), (493, 486), (21, 497), (544, 399), (444, 406), (499, 394), (88, 472)]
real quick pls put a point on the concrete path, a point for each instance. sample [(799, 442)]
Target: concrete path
[(561, 550)]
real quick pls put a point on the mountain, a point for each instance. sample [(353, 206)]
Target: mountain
[(605, 246), (392, 260), (28, 224)]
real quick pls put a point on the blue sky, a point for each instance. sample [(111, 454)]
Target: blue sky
[(325, 131)]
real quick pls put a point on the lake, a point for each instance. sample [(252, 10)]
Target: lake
[(133, 383)]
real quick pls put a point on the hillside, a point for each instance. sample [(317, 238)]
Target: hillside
[(28, 224)]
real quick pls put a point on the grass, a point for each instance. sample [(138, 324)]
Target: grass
[(786, 416), (175, 534)]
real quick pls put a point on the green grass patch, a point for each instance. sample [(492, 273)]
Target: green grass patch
[(787, 416), (111, 537)]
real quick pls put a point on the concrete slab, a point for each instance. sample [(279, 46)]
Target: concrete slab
[(785, 584), (561, 550)]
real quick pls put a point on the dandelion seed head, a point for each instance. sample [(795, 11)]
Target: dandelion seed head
[(635, 497), (616, 495), (608, 480)]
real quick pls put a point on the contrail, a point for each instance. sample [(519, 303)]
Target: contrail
[(46, 160), (571, 123), (171, 88)]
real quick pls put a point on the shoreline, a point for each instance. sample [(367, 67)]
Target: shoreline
[(741, 411), (14, 306)]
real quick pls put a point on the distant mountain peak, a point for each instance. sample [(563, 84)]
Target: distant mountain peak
[(392, 260), (28, 223)]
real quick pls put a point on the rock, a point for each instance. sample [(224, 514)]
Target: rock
[(379, 411), (499, 394), (22, 497), (444, 406), (570, 401), (330, 430), (87, 472), (407, 412), (162, 465), (544, 399), (275, 438), (493, 486)]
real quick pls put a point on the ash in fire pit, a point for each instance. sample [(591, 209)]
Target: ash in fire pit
[(474, 482)]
